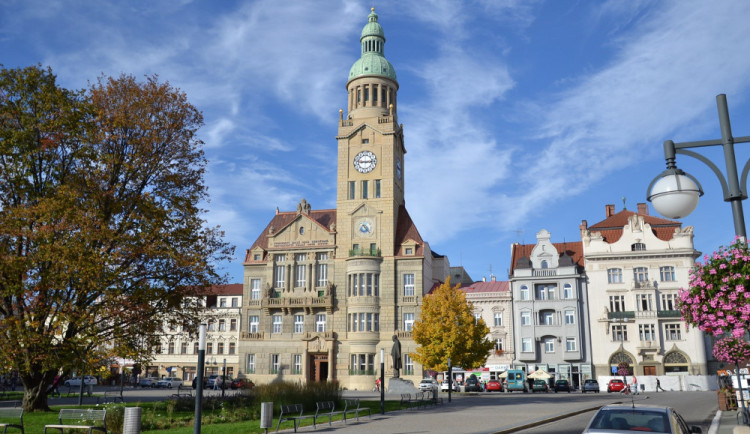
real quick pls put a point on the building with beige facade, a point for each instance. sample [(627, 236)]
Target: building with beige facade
[(636, 264), (326, 290)]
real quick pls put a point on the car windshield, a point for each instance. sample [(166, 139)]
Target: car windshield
[(631, 419)]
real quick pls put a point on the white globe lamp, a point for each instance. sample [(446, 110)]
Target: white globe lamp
[(675, 195)]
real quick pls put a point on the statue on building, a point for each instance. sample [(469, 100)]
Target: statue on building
[(303, 207), (396, 355)]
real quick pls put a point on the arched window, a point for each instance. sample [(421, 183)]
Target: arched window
[(676, 362), (544, 264)]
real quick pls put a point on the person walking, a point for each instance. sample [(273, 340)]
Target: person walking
[(216, 383), (635, 385), (658, 386)]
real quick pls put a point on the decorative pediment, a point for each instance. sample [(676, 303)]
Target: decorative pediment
[(302, 232)]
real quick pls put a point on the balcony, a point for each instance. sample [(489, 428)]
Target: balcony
[(668, 314), (364, 252), (627, 314), (252, 336), (410, 300), (288, 303), (403, 335), (544, 273)]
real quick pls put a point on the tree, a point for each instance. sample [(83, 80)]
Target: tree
[(447, 329), (102, 240)]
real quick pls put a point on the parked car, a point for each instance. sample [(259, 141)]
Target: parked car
[(88, 380), (615, 385), (494, 386), (562, 386), (223, 383), (242, 383), (590, 385), (516, 380), (540, 386), (169, 382), (428, 384), (629, 418), (148, 382), (444, 386), (472, 384)]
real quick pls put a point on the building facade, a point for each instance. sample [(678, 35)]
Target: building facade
[(550, 309), (327, 290), (636, 264)]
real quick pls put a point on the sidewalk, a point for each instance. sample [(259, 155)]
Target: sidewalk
[(728, 422)]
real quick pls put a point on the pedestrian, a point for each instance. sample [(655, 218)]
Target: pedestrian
[(658, 386), (635, 385), (216, 383), (377, 384)]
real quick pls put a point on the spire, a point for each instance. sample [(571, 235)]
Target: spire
[(372, 60)]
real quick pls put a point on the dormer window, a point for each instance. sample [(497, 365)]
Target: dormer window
[(256, 257), (544, 265), (408, 251), (365, 141), (636, 247)]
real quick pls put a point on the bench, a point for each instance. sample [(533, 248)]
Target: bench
[(111, 397), (326, 409), (183, 392), (70, 418), (293, 412), (9, 417), (407, 402), (352, 406)]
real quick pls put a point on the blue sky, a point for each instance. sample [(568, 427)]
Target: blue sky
[(518, 115)]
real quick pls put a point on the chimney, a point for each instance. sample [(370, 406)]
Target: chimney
[(584, 225), (493, 277), (643, 208), (484, 278), (609, 210)]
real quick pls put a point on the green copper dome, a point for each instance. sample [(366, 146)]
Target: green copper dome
[(372, 61)]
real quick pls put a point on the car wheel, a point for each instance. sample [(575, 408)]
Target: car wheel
[(169, 386)]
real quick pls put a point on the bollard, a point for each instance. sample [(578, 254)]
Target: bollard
[(131, 423), (266, 415)]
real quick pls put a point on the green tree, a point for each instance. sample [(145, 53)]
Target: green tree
[(101, 231), (447, 329)]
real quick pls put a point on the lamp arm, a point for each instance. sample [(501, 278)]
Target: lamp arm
[(743, 180), (712, 166)]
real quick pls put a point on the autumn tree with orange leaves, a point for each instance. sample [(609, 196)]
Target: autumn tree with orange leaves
[(101, 230), (447, 329)]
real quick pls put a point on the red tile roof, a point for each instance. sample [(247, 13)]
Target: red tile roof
[(611, 227), (496, 286), (229, 289), (324, 218), (574, 250), (407, 230)]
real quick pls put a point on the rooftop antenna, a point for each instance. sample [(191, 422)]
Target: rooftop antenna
[(624, 207), (519, 232)]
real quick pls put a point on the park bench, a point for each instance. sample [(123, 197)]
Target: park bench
[(326, 409), (407, 402), (352, 406), (70, 418), (293, 412), (183, 392), (111, 397), (9, 417)]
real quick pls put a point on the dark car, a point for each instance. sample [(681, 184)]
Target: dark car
[(631, 418), (562, 386), (540, 386), (494, 385), (472, 384), (242, 383), (590, 385)]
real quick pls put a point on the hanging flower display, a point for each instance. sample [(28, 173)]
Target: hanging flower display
[(731, 350), (623, 368), (718, 299)]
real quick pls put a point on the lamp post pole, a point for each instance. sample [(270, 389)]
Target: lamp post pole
[(670, 197), (382, 381), (450, 379), (199, 380)]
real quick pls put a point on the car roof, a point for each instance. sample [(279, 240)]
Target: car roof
[(639, 407)]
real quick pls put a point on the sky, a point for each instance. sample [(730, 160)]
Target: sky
[(518, 115)]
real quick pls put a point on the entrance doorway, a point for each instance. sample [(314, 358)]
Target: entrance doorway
[(318, 367), (649, 370)]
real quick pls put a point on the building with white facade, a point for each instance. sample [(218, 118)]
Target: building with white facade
[(636, 264)]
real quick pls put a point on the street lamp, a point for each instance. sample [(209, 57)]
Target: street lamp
[(199, 380), (382, 381), (675, 193)]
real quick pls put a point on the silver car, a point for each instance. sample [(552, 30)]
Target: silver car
[(428, 384), (613, 419)]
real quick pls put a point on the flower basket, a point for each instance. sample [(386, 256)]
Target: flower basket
[(727, 400)]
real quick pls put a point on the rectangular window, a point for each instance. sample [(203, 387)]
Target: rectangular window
[(274, 363), (320, 322), (254, 289), (669, 301), (525, 318), (567, 291), (672, 332), (499, 344), (250, 366), (367, 93), (299, 323), (524, 294), (644, 302), (408, 321), (570, 344), (322, 269), (232, 347), (570, 317), (183, 348), (364, 189), (301, 270), (220, 348), (498, 319), (222, 325), (640, 274), (549, 345), (297, 364), (234, 302), (222, 302), (408, 285), (233, 325), (276, 325), (408, 365), (646, 332), (614, 275), (195, 347), (376, 322), (209, 348), (253, 322), (548, 318), (619, 332), (211, 326), (377, 188), (279, 271), (477, 317), (666, 274), (352, 189), (616, 303), (526, 345)]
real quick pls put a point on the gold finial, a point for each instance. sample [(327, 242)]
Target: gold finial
[(372, 9)]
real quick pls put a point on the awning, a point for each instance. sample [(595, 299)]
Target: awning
[(540, 374)]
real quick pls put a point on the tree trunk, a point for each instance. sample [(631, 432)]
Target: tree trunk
[(35, 391)]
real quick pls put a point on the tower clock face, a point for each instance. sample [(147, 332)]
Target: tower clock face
[(365, 162)]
